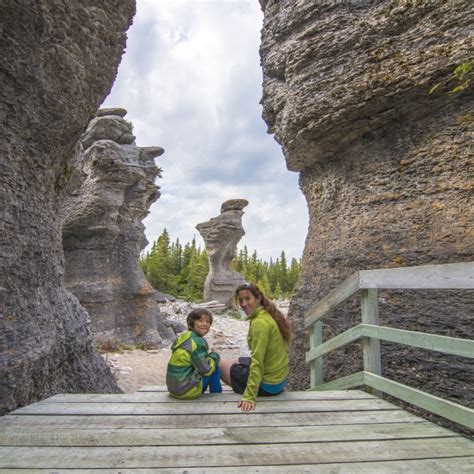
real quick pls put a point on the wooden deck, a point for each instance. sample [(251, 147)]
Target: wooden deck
[(323, 432)]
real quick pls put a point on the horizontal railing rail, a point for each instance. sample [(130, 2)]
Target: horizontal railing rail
[(447, 276)]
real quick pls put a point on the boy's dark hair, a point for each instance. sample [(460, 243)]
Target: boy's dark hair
[(196, 314)]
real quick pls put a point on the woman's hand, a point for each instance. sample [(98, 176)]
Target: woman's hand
[(245, 405)]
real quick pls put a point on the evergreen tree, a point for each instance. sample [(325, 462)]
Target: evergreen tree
[(283, 274), (181, 271)]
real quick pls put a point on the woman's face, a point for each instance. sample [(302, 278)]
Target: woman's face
[(247, 301)]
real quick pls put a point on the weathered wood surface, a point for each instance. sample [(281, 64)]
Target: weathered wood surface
[(432, 466), (430, 277), (432, 342), (214, 407), (451, 411), (208, 421), (242, 454), (39, 436), (444, 276), (164, 397), (323, 308), (344, 431)]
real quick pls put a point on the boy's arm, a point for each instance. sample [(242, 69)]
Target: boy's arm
[(204, 362)]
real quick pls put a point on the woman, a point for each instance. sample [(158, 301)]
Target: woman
[(265, 372)]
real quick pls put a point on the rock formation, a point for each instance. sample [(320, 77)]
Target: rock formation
[(384, 163), (103, 233), (221, 235), (60, 60)]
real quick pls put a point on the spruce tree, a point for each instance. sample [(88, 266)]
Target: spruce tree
[(181, 271)]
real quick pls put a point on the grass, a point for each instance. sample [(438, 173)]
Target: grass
[(112, 344)]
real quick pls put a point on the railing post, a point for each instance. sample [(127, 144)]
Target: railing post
[(316, 366), (370, 345)]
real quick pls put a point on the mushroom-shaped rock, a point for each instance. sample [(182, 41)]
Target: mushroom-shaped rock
[(221, 235)]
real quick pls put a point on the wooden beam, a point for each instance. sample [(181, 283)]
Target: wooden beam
[(208, 455), (371, 345), (150, 397), (433, 342), (316, 368), (237, 419), (39, 436), (340, 340), (178, 409), (452, 411), (445, 276), (337, 296), (343, 383)]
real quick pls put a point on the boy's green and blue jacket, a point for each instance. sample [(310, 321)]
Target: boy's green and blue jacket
[(190, 360)]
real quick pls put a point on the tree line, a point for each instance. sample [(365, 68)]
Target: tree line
[(181, 270)]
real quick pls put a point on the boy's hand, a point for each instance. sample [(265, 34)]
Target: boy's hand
[(245, 405)]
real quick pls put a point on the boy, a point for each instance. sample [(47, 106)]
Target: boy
[(191, 367)]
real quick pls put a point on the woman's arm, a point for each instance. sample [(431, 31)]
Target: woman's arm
[(259, 337)]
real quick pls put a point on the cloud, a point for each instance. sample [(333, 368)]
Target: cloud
[(191, 82)]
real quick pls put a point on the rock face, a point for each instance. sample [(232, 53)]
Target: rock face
[(221, 235), (103, 233), (60, 61), (384, 164)]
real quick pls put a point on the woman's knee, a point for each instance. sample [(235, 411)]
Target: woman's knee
[(225, 366)]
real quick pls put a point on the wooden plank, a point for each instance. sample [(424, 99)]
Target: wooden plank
[(233, 455), (337, 296), (316, 364), (157, 397), (340, 340), (448, 345), (463, 465), (40, 436), (451, 411), (163, 388), (445, 276), (371, 345), (350, 381), (95, 408), (77, 422)]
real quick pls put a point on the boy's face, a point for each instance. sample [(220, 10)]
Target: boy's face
[(202, 325)]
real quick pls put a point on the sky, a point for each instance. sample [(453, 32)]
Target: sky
[(191, 82)]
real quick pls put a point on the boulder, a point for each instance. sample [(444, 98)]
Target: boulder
[(103, 233), (360, 97), (60, 60), (221, 235)]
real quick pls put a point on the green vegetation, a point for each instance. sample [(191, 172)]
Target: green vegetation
[(462, 74), (275, 278), (181, 270)]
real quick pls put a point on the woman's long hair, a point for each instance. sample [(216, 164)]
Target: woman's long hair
[(270, 308)]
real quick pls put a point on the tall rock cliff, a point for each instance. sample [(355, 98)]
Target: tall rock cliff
[(221, 235), (385, 165), (103, 233), (59, 62)]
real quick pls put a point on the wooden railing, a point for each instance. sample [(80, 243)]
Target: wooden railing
[(448, 276)]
